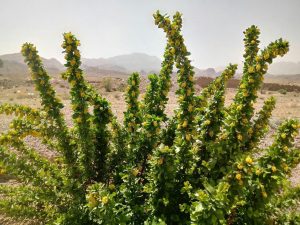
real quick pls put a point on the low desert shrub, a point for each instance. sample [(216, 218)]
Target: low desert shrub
[(201, 166), (108, 84), (282, 91)]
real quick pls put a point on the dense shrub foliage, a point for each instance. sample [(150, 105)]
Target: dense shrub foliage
[(201, 166)]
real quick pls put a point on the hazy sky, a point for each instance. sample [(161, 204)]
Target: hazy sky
[(213, 29)]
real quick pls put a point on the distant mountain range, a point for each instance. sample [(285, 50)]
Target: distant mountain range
[(126, 63), (18, 58), (13, 65), (284, 68), (277, 68)]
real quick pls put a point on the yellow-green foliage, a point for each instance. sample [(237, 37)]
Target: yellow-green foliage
[(198, 167)]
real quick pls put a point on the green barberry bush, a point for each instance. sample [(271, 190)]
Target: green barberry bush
[(201, 166)]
